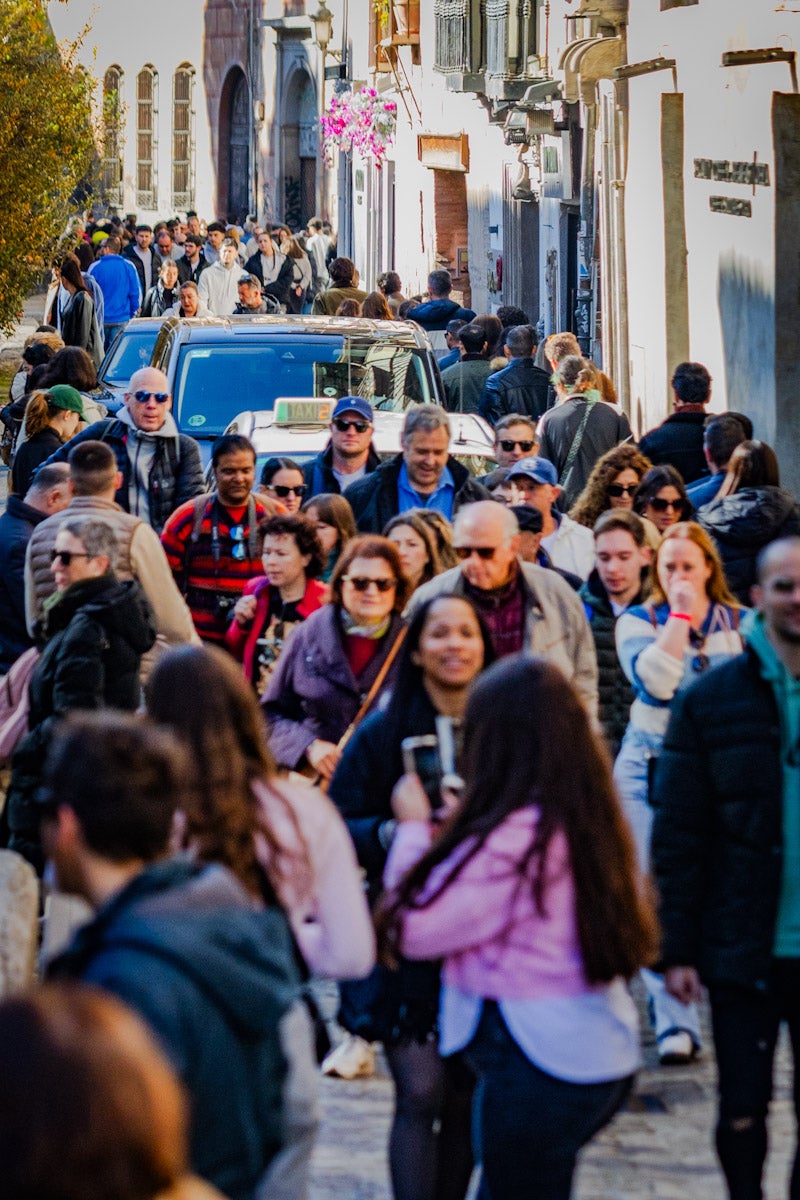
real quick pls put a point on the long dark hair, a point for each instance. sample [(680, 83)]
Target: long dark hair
[(651, 484), (72, 365), (201, 694), (528, 741), (70, 270), (409, 678)]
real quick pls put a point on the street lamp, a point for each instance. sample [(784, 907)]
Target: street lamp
[(322, 20)]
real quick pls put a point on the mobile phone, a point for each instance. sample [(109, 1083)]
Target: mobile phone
[(421, 757)]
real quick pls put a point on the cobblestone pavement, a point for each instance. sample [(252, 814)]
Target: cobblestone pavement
[(658, 1148)]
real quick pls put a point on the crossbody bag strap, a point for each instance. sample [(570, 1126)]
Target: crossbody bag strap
[(576, 443), (370, 697)]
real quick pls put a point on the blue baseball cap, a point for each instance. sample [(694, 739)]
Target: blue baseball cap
[(356, 404), (540, 470)]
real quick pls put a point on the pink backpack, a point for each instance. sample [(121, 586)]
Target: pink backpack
[(15, 703)]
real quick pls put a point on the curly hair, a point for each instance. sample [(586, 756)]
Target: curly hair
[(594, 498), (305, 535)]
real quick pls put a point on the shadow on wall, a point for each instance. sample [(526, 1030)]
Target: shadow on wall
[(747, 313)]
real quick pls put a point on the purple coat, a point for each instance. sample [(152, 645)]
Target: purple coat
[(313, 693)]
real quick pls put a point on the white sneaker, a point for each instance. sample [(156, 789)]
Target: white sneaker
[(354, 1058), (676, 1049)]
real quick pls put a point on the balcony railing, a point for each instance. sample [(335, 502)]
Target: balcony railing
[(510, 42), (454, 29)]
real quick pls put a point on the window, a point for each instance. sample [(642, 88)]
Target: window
[(112, 136), (146, 137), (183, 155)]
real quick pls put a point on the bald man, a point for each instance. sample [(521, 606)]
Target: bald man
[(525, 607), (160, 467)]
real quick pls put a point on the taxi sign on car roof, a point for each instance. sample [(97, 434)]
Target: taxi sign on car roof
[(303, 412)]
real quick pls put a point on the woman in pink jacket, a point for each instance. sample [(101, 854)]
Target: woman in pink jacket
[(273, 603), (529, 893)]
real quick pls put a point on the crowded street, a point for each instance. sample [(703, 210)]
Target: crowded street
[(399, 601)]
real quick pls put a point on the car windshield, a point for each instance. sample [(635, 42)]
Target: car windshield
[(213, 383), (133, 350)]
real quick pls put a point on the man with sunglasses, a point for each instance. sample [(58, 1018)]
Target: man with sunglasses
[(213, 543), (160, 467), (514, 438), (726, 860), (526, 607), (349, 455), (521, 387)]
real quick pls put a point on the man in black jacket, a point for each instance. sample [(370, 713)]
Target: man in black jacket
[(679, 440), (210, 971), (49, 493), (144, 257), (726, 858), (622, 558), (349, 455), (422, 476), (521, 387), (161, 467)]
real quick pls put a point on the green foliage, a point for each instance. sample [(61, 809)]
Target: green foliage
[(46, 146)]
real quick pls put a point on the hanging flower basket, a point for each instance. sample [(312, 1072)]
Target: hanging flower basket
[(359, 121)]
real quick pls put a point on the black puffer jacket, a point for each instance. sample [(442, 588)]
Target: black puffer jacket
[(615, 693), (97, 632), (742, 524), (717, 838)]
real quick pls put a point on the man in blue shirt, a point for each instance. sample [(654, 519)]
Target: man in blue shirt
[(119, 284), (423, 475), (722, 434)]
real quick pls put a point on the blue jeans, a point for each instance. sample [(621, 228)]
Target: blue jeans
[(110, 331), (528, 1126)]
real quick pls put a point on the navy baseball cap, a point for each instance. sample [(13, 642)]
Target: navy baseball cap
[(356, 404), (540, 470)]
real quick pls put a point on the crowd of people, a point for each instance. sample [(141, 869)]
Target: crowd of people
[(429, 735)]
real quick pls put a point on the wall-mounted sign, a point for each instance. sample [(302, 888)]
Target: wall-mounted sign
[(754, 174), (730, 206)]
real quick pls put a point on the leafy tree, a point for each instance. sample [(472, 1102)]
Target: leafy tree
[(46, 146)]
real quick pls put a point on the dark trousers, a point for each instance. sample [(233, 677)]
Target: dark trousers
[(528, 1126), (746, 1026)]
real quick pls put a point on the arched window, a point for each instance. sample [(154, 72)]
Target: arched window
[(183, 147), (147, 138), (113, 169)]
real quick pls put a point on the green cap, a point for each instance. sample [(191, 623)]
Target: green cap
[(64, 396)]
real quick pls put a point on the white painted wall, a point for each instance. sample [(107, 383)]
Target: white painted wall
[(727, 117), (130, 38)]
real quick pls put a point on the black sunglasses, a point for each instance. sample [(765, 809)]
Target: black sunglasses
[(362, 584), (701, 662), (343, 426), (66, 556), (507, 446), (658, 504), (484, 552), (159, 397), (618, 489), (280, 489)]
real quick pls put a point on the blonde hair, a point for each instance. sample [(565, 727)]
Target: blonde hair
[(717, 588)]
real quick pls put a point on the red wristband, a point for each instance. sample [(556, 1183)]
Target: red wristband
[(682, 616)]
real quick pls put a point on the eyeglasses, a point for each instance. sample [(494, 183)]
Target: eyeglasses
[(660, 505), (237, 534), (281, 490), (701, 662), (343, 426), (66, 556), (362, 584), (619, 489), (507, 446), (483, 552), (159, 397)]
